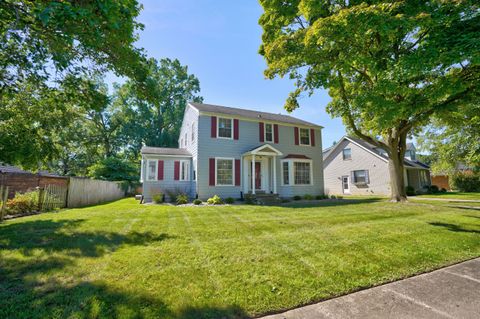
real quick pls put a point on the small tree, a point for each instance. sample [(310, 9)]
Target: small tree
[(389, 66)]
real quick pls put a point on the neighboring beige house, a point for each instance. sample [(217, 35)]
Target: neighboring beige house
[(353, 166)]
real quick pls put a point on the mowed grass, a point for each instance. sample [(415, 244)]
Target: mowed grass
[(125, 260), (452, 195)]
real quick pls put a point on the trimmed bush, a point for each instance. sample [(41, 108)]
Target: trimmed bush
[(321, 197), (443, 190), (215, 200), (158, 198), (308, 197), (285, 200), (229, 200), (466, 182), (197, 202), (433, 189), (339, 197), (297, 197), (23, 203), (333, 197), (181, 199), (249, 199), (410, 191)]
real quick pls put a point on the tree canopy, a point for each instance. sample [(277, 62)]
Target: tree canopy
[(389, 66)]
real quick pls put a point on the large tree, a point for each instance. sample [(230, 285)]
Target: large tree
[(154, 118), (389, 66)]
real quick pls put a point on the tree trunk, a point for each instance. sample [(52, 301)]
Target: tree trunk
[(398, 145), (397, 180)]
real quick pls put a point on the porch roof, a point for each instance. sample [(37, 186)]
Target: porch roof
[(265, 149), (299, 156), (166, 151)]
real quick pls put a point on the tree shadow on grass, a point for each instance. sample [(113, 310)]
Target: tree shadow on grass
[(62, 236), (464, 207), (32, 284), (330, 203), (455, 228)]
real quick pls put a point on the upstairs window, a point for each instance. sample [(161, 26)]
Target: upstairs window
[(268, 132), (304, 136), (225, 128), (347, 154)]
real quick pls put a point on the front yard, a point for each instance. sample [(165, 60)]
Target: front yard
[(453, 195), (125, 260)]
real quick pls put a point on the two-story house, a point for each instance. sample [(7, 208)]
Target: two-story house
[(353, 166), (232, 152)]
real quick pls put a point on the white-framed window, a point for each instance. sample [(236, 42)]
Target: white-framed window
[(193, 131), (304, 136), (347, 154), (225, 128), (224, 171), (285, 173), (194, 170), (186, 139), (152, 170), (303, 172), (297, 172), (184, 170), (360, 177), (268, 132)]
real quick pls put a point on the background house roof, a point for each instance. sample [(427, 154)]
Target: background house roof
[(257, 115), (5, 168), (165, 151), (373, 149)]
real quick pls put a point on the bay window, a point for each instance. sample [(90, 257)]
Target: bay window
[(297, 172)]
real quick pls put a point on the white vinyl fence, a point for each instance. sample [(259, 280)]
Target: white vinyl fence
[(85, 192)]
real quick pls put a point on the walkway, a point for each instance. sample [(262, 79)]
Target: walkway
[(451, 292)]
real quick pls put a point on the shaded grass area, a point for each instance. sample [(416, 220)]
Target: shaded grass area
[(452, 195), (124, 260)]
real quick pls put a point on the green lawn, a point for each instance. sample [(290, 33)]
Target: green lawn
[(453, 195), (124, 260)]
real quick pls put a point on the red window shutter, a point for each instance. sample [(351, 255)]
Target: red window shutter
[(235, 129), (296, 136), (237, 172), (261, 131), (275, 133), (176, 173), (312, 136), (214, 127), (212, 172), (160, 170)]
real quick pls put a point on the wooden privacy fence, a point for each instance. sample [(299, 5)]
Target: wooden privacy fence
[(52, 197), (85, 192), (3, 201)]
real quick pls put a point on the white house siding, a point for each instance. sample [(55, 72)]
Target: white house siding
[(168, 182), (190, 117), (335, 167), (209, 147)]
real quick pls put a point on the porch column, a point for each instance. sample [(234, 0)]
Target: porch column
[(253, 174), (274, 174)]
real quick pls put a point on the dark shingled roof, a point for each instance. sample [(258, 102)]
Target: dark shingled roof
[(257, 115), (165, 151), (372, 148), (5, 168)]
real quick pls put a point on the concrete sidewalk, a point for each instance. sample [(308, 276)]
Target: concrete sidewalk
[(451, 292)]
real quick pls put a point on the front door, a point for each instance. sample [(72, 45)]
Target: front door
[(258, 175), (346, 184)]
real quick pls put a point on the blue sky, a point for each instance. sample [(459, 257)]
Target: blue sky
[(219, 42)]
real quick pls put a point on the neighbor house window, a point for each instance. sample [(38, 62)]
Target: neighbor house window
[(184, 170), (360, 177), (268, 132), (151, 170), (225, 128), (302, 173), (347, 154), (224, 171), (186, 139), (304, 136), (193, 131), (286, 173)]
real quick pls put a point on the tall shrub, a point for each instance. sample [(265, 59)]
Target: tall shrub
[(466, 182)]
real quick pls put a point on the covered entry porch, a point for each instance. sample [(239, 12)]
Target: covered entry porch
[(259, 167)]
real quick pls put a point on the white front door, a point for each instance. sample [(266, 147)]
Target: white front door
[(346, 184)]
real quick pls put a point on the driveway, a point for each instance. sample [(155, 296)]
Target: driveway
[(451, 292)]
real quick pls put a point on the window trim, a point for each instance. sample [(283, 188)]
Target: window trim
[(343, 154), (265, 132), (291, 171), (300, 137), (365, 177), (231, 128), (181, 170), (147, 170), (233, 171)]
